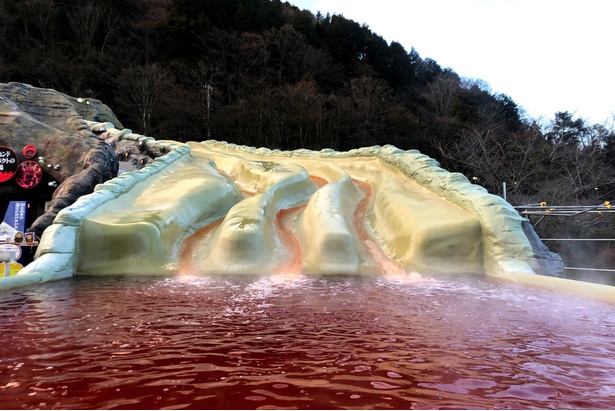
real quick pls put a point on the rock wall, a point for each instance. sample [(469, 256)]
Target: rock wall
[(74, 157)]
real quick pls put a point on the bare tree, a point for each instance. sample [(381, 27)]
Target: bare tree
[(289, 46), (560, 168), (84, 21), (469, 82), (4, 17), (585, 167), (142, 87), (251, 60), (112, 23), (42, 13), (321, 67), (441, 93), (489, 155), (370, 101), (299, 114), (220, 47), (154, 13)]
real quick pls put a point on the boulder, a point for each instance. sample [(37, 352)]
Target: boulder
[(67, 149)]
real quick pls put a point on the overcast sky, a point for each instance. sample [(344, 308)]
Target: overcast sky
[(547, 55)]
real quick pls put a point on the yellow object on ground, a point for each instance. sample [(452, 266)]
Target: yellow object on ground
[(15, 267)]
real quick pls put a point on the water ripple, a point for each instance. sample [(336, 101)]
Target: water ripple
[(291, 342)]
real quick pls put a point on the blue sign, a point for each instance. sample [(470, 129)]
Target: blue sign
[(16, 215)]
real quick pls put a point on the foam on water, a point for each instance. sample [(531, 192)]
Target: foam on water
[(301, 342)]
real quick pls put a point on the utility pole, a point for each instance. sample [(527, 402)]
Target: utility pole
[(208, 89)]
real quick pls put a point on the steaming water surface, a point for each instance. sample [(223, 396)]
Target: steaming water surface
[(282, 342)]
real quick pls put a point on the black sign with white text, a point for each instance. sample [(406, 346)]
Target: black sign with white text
[(8, 163)]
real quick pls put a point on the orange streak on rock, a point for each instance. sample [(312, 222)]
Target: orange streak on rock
[(386, 265), (319, 181), (293, 264), (186, 261)]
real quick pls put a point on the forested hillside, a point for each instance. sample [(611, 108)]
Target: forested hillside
[(265, 73)]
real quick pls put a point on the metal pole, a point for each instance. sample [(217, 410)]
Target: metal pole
[(603, 270), (577, 239), (504, 189), (208, 110)]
